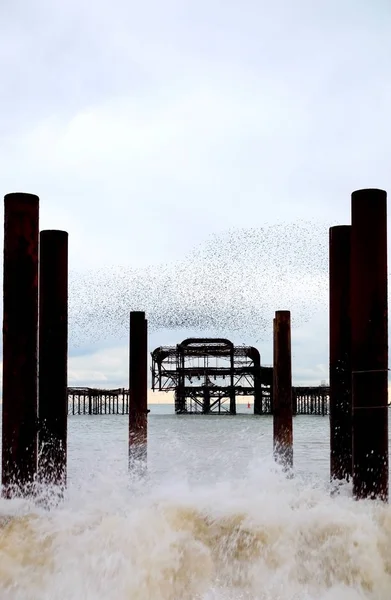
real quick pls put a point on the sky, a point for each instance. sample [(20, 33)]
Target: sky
[(197, 153)]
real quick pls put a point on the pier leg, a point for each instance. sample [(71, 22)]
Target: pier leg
[(206, 401), (340, 354), (232, 401), (369, 314), (53, 357), (232, 391), (257, 384), (138, 387), (257, 394), (20, 334), (294, 404), (282, 389)]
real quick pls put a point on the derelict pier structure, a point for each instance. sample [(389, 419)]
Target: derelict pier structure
[(208, 374)]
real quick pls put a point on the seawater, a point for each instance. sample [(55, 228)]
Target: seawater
[(213, 519)]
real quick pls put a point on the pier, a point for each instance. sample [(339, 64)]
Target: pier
[(94, 401), (207, 375)]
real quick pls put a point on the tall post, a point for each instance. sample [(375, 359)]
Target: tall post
[(369, 314), (53, 357), (340, 354), (232, 391), (180, 399), (138, 386), (272, 391), (20, 325), (282, 389), (256, 358)]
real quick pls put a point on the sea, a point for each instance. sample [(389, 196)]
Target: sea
[(211, 518)]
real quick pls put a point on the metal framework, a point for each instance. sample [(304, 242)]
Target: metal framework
[(208, 374)]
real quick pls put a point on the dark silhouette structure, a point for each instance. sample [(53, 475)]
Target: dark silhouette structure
[(138, 385), (282, 389), (95, 401), (20, 337), (208, 374), (53, 357), (340, 353), (369, 313)]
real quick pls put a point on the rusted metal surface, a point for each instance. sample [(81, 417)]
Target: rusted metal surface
[(138, 386), (340, 354), (282, 389), (274, 365), (53, 356), (20, 324), (369, 314), (207, 374)]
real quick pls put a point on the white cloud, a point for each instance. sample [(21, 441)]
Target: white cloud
[(148, 128), (102, 368)]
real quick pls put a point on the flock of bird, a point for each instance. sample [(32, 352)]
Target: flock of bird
[(232, 283)]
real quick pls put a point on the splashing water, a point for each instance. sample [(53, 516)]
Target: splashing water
[(257, 535), (222, 543), (268, 538)]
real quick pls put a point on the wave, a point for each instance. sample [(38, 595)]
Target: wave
[(264, 537)]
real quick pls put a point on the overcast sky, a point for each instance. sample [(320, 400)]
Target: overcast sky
[(197, 153)]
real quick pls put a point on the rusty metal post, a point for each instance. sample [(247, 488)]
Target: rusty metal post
[(256, 357), (272, 391), (138, 386), (369, 313), (53, 357), (340, 354), (232, 391), (282, 389), (20, 333)]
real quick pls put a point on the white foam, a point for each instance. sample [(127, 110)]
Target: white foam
[(259, 536)]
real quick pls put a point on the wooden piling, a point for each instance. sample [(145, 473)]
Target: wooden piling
[(53, 357), (369, 314), (282, 389), (340, 354), (138, 386), (20, 325)]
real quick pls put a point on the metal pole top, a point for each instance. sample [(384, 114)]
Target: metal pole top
[(21, 197), (369, 194), (56, 233), (137, 314), (340, 228)]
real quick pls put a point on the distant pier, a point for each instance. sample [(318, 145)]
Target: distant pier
[(93, 401)]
